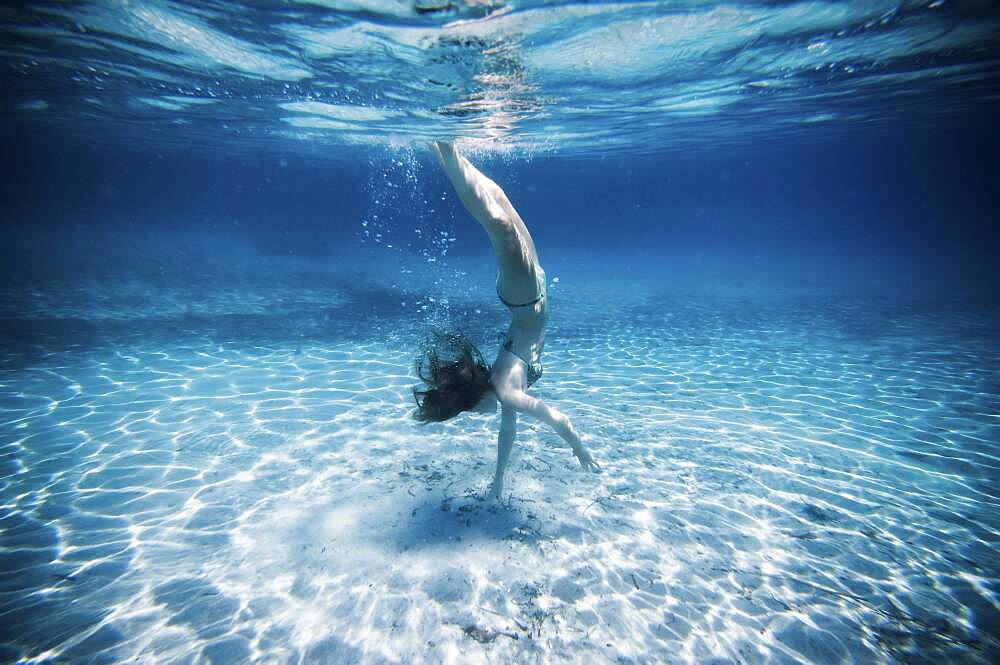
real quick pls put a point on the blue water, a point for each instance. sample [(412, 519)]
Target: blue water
[(769, 233)]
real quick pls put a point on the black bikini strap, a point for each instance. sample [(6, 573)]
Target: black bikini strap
[(525, 304)]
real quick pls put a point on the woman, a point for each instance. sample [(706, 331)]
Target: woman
[(457, 378)]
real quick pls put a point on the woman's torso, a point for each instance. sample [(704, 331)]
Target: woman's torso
[(528, 316), (521, 286)]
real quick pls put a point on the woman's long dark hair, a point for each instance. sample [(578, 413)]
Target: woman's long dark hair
[(455, 374)]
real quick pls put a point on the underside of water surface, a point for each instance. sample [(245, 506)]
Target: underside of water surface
[(318, 76)]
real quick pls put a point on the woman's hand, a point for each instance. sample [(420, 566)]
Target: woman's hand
[(586, 460)]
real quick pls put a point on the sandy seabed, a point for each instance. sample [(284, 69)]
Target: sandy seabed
[(226, 472)]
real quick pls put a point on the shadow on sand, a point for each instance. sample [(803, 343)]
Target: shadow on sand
[(466, 519)]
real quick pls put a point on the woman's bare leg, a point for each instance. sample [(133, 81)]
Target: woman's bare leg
[(486, 201), (482, 197)]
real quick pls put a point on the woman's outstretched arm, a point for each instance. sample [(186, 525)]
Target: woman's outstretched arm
[(558, 421)]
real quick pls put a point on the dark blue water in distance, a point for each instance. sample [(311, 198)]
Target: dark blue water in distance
[(769, 232)]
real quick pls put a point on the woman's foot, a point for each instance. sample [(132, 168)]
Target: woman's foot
[(445, 151)]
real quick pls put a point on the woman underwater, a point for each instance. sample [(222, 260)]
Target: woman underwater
[(457, 378)]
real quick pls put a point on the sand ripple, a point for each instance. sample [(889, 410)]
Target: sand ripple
[(785, 481)]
